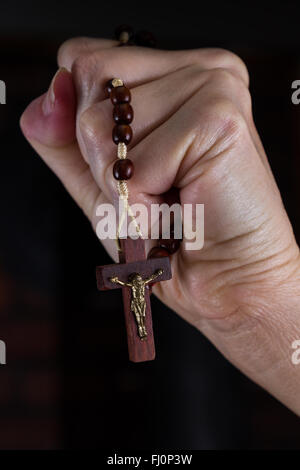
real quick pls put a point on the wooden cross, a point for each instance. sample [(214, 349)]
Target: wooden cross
[(132, 259)]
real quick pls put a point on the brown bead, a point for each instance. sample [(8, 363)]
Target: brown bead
[(123, 169), (108, 88), (145, 39), (172, 244), (120, 94), (122, 133), (157, 252), (123, 28), (123, 113)]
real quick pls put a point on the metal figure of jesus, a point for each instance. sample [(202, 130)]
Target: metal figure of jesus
[(138, 303)]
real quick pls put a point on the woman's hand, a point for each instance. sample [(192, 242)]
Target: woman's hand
[(193, 130)]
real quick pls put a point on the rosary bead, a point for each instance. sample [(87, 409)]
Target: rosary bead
[(123, 169), (123, 113), (122, 133), (145, 39), (157, 252), (120, 94), (172, 244), (117, 82), (124, 31), (108, 88)]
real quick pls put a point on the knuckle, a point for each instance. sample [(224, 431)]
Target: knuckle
[(229, 57), (69, 47), (86, 122), (223, 58), (228, 119), (84, 65), (85, 71), (230, 60), (223, 77), (231, 83), (91, 120)]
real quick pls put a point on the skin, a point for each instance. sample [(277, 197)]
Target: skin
[(193, 131)]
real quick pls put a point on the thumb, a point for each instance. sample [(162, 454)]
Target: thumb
[(48, 123), (50, 118)]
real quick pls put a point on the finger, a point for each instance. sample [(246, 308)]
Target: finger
[(206, 150), (74, 48), (176, 151), (153, 104), (136, 65), (49, 125)]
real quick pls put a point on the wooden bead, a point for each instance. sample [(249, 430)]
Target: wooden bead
[(171, 245), (120, 94), (123, 169), (123, 113), (145, 39), (108, 88), (157, 252), (122, 133), (122, 31)]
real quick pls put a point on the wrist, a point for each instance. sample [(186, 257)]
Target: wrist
[(259, 339)]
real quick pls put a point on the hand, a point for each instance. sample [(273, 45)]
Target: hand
[(114, 279), (193, 130), (159, 272)]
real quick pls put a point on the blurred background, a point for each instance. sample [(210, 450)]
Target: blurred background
[(68, 383)]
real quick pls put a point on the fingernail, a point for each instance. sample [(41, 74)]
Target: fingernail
[(50, 118), (49, 100)]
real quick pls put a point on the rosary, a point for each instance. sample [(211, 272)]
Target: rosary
[(135, 272)]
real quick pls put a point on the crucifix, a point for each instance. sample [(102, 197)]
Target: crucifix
[(134, 274)]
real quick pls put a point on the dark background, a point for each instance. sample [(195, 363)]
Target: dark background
[(67, 382)]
